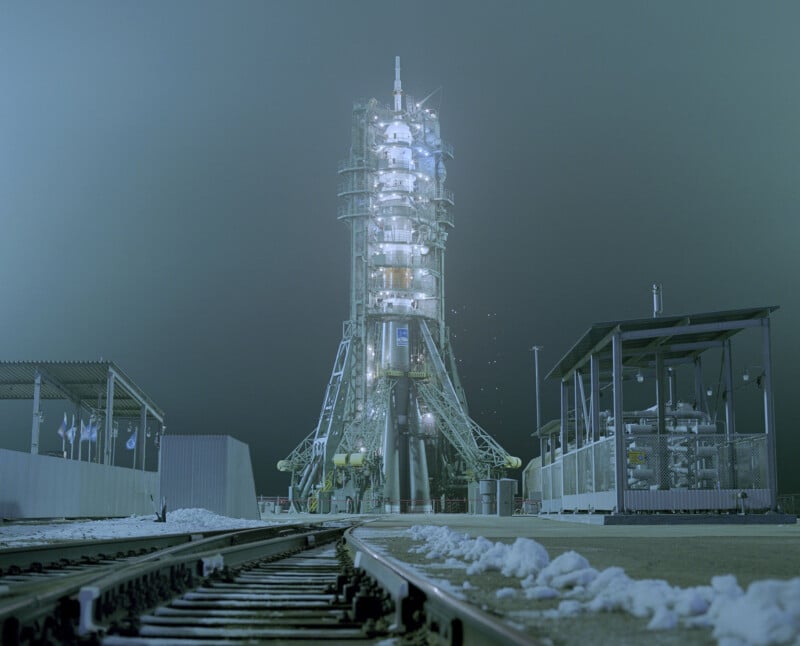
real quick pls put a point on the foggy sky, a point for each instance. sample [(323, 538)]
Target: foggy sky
[(168, 191)]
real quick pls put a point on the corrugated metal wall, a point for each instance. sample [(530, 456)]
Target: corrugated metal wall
[(241, 499), (210, 472), (41, 486)]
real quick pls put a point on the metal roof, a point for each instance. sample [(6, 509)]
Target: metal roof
[(677, 338), (78, 381)]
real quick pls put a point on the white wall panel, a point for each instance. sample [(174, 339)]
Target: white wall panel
[(211, 472), (42, 486)]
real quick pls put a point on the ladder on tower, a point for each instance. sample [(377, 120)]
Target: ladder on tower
[(327, 434)]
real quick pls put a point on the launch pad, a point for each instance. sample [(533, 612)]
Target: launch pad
[(394, 432)]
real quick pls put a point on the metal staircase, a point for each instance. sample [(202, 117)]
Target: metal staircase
[(328, 433)]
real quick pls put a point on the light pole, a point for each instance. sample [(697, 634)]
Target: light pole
[(535, 349)]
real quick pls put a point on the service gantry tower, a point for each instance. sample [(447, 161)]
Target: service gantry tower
[(394, 432)]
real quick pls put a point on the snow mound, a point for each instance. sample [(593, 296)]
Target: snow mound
[(506, 593), (568, 570), (767, 613), (520, 559)]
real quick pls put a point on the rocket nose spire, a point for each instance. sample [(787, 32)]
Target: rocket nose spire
[(398, 88), (396, 72)]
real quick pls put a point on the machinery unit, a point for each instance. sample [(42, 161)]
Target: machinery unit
[(394, 433)]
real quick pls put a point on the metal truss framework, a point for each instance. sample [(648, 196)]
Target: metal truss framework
[(394, 425)]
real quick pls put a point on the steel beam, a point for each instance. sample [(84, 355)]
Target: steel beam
[(136, 393), (37, 390), (673, 347), (594, 377), (602, 343), (730, 421), (143, 431), (661, 399), (692, 328), (577, 398), (564, 417), (109, 416), (769, 413), (621, 459), (698, 382)]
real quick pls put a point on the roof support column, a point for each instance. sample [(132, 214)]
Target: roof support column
[(143, 431), (661, 395), (769, 414), (578, 427), (594, 377), (673, 388), (620, 460), (662, 461), (37, 391), (109, 417), (698, 383), (730, 422), (76, 433), (564, 416)]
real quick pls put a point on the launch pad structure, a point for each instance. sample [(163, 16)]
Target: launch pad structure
[(394, 432)]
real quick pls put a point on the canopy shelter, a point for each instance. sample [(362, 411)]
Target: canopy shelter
[(607, 354), (100, 387)]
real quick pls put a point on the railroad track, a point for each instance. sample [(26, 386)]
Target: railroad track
[(304, 583), (25, 564)]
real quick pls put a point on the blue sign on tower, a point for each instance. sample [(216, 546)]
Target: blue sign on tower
[(402, 336)]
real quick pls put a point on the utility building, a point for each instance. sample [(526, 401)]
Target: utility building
[(394, 433)]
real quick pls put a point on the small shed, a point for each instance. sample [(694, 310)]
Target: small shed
[(211, 472), (674, 455)]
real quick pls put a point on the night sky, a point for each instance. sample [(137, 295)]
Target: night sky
[(168, 191)]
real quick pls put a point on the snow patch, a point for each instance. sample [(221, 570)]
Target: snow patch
[(506, 593), (767, 613), (180, 521)]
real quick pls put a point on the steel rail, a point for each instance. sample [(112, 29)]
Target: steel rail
[(32, 603), (99, 595), (34, 557), (456, 621)]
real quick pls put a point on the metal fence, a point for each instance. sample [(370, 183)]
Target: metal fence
[(673, 461), (790, 503), (689, 461)]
